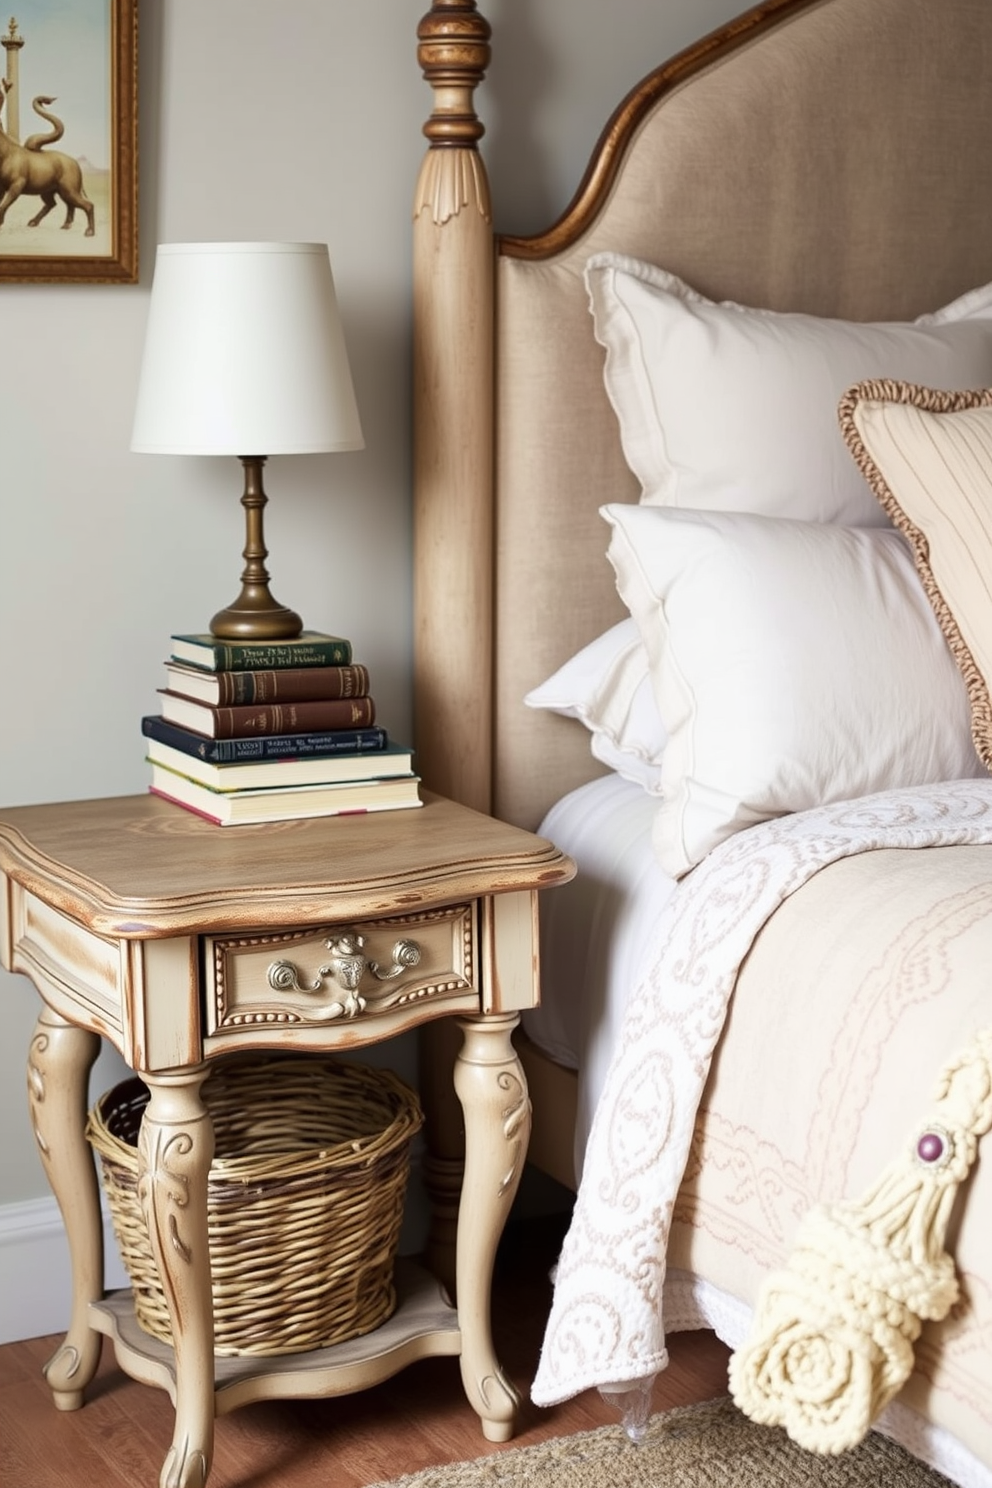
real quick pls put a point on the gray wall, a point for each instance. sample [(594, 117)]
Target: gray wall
[(294, 121)]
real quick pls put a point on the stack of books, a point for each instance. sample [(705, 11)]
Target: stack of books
[(263, 731)]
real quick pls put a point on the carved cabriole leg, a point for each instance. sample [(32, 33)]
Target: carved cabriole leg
[(59, 1063), (492, 1088), (444, 1131), (174, 1152)]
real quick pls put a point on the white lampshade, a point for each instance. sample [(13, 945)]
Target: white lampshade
[(244, 354)]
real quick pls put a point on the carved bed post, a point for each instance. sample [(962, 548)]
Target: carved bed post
[(453, 417), (453, 474)]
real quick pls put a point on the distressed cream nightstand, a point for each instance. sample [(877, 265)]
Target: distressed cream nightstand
[(179, 942)]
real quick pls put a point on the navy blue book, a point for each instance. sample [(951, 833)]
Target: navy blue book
[(265, 746)]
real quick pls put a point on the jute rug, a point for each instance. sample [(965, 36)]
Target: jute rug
[(696, 1446)]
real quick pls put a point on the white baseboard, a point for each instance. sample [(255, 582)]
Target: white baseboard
[(35, 1281)]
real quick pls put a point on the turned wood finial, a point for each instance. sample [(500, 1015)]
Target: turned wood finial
[(454, 53)]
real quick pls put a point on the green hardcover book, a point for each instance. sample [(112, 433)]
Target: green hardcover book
[(310, 648)]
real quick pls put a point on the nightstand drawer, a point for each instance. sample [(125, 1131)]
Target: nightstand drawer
[(396, 970)]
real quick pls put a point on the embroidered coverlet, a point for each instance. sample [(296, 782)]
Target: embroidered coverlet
[(606, 1327)]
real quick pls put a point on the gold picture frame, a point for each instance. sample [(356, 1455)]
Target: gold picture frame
[(69, 189)]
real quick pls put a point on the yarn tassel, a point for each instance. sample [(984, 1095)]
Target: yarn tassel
[(832, 1337)]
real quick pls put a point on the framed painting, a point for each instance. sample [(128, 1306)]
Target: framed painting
[(69, 142)]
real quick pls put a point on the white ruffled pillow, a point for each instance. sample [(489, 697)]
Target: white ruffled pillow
[(726, 408), (793, 664), (607, 687)]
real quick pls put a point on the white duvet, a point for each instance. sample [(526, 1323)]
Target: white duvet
[(597, 932)]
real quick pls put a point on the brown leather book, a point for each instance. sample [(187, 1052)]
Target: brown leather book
[(287, 685), (273, 718)]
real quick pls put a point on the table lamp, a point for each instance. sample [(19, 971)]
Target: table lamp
[(244, 351)]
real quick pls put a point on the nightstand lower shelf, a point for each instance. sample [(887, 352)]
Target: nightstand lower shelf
[(423, 1326)]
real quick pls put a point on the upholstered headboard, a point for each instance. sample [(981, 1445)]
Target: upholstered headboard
[(832, 156)]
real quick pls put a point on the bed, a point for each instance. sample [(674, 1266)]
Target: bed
[(692, 600)]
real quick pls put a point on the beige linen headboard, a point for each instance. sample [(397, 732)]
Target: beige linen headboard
[(831, 156)]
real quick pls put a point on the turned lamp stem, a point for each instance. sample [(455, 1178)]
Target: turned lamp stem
[(255, 615)]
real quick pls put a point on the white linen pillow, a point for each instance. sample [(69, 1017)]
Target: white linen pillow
[(793, 663), (607, 687), (726, 408)]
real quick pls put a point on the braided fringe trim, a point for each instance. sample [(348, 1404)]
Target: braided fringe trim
[(832, 1336), (933, 401)]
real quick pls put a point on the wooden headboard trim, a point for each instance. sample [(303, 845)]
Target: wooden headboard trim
[(623, 124)]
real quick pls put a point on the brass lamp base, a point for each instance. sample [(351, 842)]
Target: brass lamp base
[(239, 623), (255, 615)]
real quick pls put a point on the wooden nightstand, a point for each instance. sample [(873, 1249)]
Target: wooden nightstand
[(180, 942)]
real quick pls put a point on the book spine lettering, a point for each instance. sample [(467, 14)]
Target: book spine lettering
[(228, 656), (293, 718), (280, 746), (239, 689)]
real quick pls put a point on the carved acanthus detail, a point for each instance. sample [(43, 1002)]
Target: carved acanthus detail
[(454, 53), (496, 1389), (184, 1467), (36, 1076), (62, 1366), (163, 1190), (516, 1124), (36, 1086), (450, 180)]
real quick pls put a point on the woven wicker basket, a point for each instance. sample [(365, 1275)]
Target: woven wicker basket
[(305, 1199)]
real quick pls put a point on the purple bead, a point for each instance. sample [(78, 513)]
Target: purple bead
[(930, 1147)]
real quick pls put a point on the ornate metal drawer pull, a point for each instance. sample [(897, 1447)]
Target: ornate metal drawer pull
[(346, 967)]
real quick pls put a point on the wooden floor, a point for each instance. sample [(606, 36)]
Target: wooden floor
[(420, 1417)]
